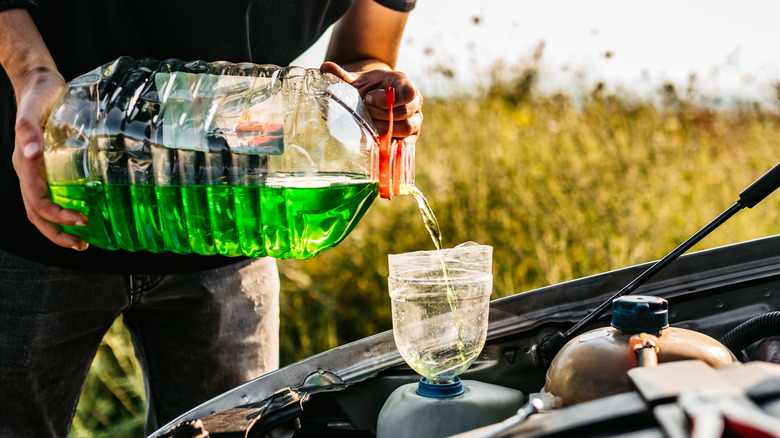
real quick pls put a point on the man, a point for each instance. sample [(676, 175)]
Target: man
[(200, 325)]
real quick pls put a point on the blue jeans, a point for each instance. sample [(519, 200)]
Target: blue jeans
[(195, 335)]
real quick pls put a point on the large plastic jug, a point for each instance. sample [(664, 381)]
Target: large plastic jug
[(215, 158)]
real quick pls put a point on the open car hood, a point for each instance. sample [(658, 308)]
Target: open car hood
[(343, 389)]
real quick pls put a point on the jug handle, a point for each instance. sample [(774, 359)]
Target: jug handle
[(385, 149)]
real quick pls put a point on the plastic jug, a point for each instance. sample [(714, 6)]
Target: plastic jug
[(216, 158)]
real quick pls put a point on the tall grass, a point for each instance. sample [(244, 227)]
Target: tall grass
[(112, 402), (559, 189)]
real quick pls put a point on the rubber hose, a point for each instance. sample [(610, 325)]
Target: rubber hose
[(752, 330)]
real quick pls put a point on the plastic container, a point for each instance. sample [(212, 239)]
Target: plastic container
[(406, 413), (596, 363), (216, 158), (440, 303)]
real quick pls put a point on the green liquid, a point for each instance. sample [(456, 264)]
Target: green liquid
[(429, 220), (88, 198), (432, 225), (172, 222), (435, 341), (444, 365), (279, 221)]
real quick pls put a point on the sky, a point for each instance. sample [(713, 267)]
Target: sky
[(730, 47)]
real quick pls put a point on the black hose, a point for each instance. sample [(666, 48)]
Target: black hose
[(750, 331)]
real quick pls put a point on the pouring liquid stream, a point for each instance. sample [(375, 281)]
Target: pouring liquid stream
[(432, 225)]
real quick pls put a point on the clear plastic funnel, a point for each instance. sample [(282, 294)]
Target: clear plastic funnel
[(440, 301)]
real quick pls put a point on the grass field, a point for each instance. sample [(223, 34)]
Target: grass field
[(560, 190)]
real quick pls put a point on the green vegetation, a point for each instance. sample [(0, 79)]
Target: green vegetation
[(112, 402), (560, 189)]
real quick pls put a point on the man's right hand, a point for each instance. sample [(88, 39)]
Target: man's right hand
[(37, 83), (35, 101)]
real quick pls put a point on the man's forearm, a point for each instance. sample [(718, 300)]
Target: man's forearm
[(366, 65), (367, 37), (22, 49)]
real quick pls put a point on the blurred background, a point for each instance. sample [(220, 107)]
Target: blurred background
[(728, 48), (574, 137)]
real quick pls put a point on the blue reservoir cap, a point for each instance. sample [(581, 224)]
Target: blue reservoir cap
[(440, 390), (640, 314)]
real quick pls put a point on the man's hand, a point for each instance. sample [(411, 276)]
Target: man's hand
[(37, 97), (407, 110), (362, 52), (37, 83)]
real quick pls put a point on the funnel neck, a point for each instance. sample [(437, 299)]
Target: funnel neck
[(440, 390)]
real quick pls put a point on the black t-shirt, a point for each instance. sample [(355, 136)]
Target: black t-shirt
[(83, 34)]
